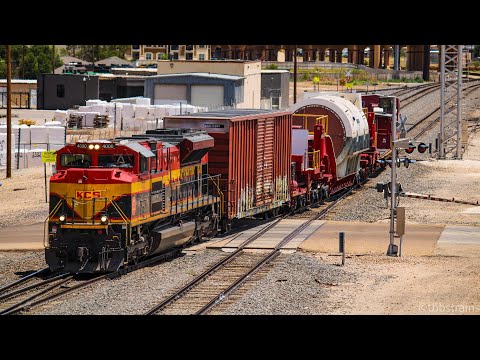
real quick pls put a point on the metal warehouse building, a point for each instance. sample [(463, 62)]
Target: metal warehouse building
[(199, 89)]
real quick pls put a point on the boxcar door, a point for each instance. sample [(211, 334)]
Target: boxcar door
[(265, 138)]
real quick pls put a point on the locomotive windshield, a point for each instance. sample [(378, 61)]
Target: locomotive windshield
[(76, 160), (117, 161)]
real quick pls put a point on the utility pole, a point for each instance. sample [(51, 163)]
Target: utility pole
[(295, 75), (393, 182), (9, 113)]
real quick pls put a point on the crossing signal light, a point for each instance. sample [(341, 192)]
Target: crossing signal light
[(410, 149), (422, 148)]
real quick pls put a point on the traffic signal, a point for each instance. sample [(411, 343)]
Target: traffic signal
[(422, 148), (410, 148)]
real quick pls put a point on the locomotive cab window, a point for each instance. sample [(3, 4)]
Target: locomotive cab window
[(75, 160), (143, 164), (116, 161)]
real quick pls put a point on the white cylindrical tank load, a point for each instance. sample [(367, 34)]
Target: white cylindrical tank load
[(347, 127)]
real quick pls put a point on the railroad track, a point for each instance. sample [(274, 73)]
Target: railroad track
[(217, 283), (418, 95), (32, 296), (435, 115), (23, 279), (406, 90)]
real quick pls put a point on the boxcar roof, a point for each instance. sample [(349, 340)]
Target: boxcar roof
[(231, 113)]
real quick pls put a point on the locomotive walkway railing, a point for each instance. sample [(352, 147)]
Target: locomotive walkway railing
[(47, 220), (187, 196)]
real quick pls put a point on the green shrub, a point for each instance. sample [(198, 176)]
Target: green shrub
[(305, 77), (272, 67), (418, 80)]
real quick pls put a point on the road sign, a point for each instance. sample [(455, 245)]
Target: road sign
[(316, 80), (349, 85), (49, 156)]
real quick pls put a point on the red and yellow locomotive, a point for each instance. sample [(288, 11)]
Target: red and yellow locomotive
[(114, 202)]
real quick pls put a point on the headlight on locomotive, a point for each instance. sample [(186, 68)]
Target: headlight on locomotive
[(104, 219), (62, 218)]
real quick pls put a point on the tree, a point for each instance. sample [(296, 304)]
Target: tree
[(94, 53), (71, 50), (29, 61)]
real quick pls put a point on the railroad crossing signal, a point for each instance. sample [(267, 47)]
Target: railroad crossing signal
[(422, 147), (410, 149)]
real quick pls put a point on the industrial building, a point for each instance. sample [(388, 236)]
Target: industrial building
[(62, 91), (275, 89), (248, 72), (240, 84), (199, 89)]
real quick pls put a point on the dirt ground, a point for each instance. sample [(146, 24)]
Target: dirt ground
[(426, 285), (22, 197), (445, 281), (40, 116), (303, 86)]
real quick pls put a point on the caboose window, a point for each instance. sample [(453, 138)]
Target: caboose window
[(116, 161), (75, 160)]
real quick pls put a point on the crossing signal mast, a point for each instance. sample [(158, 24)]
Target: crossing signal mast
[(450, 136), (393, 189)]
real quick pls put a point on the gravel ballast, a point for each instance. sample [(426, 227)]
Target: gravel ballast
[(136, 292), (297, 285), (14, 263)]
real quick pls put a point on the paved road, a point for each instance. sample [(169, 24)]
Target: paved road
[(22, 237)]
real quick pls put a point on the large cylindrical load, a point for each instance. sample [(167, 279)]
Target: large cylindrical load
[(347, 127)]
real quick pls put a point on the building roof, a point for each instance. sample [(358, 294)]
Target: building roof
[(202, 74), (274, 71), (229, 113), (133, 70), (69, 59), (113, 60), (211, 61), (66, 60), (19, 81)]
